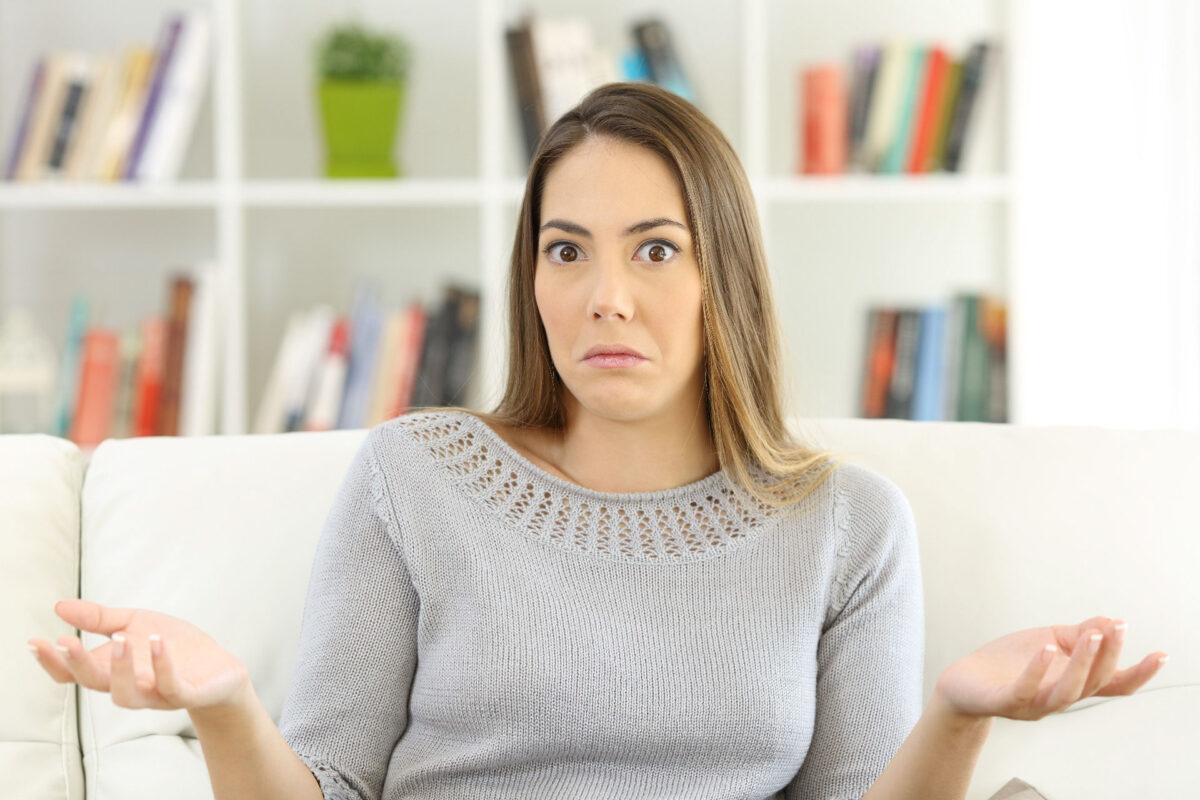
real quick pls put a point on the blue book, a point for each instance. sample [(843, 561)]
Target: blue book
[(365, 322), (928, 389)]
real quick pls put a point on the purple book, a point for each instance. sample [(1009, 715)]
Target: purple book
[(162, 65), (35, 87)]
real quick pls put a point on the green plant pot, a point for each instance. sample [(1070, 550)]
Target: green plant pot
[(359, 120)]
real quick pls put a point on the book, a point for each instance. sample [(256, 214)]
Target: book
[(151, 366), (179, 303), (184, 86), (411, 345), (431, 374), (21, 139), (198, 387), (460, 361), (565, 62), (46, 115), (68, 376), (271, 416), (824, 110), (973, 375), (653, 38), (165, 54), (900, 388), (927, 388), (921, 156), (884, 112), (519, 43), (322, 412), (865, 68), (899, 147), (94, 113), (138, 62), (123, 411), (945, 113), (310, 352), (881, 350), (97, 388), (974, 65), (366, 321), (387, 368), (78, 81)]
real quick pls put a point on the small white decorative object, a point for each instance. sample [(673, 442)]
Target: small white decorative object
[(27, 368)]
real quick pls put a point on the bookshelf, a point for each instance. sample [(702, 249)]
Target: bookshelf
[(251, 196)]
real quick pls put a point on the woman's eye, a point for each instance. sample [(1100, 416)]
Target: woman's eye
[(659, 251), (568, 253)]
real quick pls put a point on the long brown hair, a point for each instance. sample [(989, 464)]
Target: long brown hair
[(741, 336)]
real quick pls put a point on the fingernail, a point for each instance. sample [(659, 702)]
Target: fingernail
[(1048, 653), (1163, 660), (118, 645), (1094, 642), (62, 649), (1119, 632), (33, 649), (155, 644)]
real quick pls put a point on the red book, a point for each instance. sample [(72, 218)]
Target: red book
[(921, 155), (880, 359), (182, 287), (97, 388), (147, 386), (412, 343), (826, 111)]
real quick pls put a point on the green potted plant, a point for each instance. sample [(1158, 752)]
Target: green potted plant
[(361, 78)]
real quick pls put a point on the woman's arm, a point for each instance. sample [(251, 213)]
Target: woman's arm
[(937, 759)]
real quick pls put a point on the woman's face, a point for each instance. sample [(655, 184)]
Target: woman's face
[(616, 269)]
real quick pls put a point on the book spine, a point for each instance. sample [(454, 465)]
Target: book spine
[(973, 68), (825, 110), (654, 39), (97, 388), (883, 353), (945, 113), (154, 95), (151, 365), (331, 377), (973, 381), (866, 67), (927, 392), (927, 118), (461, 359), (177, 326), (182, 95), (20, 140), (898, 153), (68, 121), (525, 80), (413, 344), (900, 389)]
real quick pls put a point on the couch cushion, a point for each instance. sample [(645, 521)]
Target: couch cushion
[(1023, 526), (39, 565), (220, 531)]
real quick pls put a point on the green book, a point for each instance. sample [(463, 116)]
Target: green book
[(897, 156)]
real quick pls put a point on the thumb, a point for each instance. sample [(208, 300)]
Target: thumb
[(89, 616)]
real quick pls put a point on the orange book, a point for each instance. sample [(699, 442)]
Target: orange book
[(880, 359), (149, 377), (182, 287), (921, 159), (826, 109), (97, 388)]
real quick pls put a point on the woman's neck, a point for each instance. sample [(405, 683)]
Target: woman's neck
[(648, 455)]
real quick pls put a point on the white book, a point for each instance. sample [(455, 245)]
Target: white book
[(98, 110), (301, 375), (983, 137), (272, 414), (198, 388), (322, 413), (884, 112), (564, 55), (183, 91)]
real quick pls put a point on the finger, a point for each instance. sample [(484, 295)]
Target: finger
[(1105, 663), (1068, 636), (1070, 684), (1128, 681), (88, 616), (167, 680), (84, 665), (123, 682), (51, 660), (1024, 690)]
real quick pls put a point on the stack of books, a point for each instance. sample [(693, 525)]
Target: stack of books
[(158, 380), (555, 62), (903, 108), (127, 117), (938, 363), (344, 372)]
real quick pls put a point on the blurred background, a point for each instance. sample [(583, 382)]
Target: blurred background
[(253, 217)]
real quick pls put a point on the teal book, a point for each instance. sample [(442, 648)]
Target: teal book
[(68, 374), (897, 156)]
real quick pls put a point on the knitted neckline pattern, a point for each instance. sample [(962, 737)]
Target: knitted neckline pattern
[(696, 521)]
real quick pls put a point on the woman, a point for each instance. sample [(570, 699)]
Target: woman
[(628, 580)]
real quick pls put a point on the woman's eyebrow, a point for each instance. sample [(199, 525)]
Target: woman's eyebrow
[(640, 227)]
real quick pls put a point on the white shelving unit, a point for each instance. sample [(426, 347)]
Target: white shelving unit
[(252, 190)]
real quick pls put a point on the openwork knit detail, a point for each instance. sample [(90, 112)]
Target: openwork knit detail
[(690, 522), (333, 785)]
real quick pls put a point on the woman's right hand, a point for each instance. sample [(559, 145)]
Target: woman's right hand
[(189, 671)]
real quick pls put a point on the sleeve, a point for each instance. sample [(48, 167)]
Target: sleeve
[(870, 656), (347, 705)]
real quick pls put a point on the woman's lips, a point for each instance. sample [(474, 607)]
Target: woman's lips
[(613, 360)]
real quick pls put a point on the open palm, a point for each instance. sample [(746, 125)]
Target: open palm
[(1010, 677), (190, 670)]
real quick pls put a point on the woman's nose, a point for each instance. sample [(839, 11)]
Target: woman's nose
[(611, 296)]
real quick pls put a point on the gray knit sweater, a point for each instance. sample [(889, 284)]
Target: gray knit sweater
[(476, 627)]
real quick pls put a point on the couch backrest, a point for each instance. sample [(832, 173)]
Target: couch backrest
[(220, 531), (1023, 526), (41, 478), (1019, 527)]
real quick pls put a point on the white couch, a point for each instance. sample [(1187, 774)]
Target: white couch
[(1018, 526)]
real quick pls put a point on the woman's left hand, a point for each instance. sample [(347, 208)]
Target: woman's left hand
[(1009, 677)]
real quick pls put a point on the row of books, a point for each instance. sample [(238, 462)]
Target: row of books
[(159, 379), (114, 117), (903, 108), (556, 61), (938, 363), (338, 371)]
